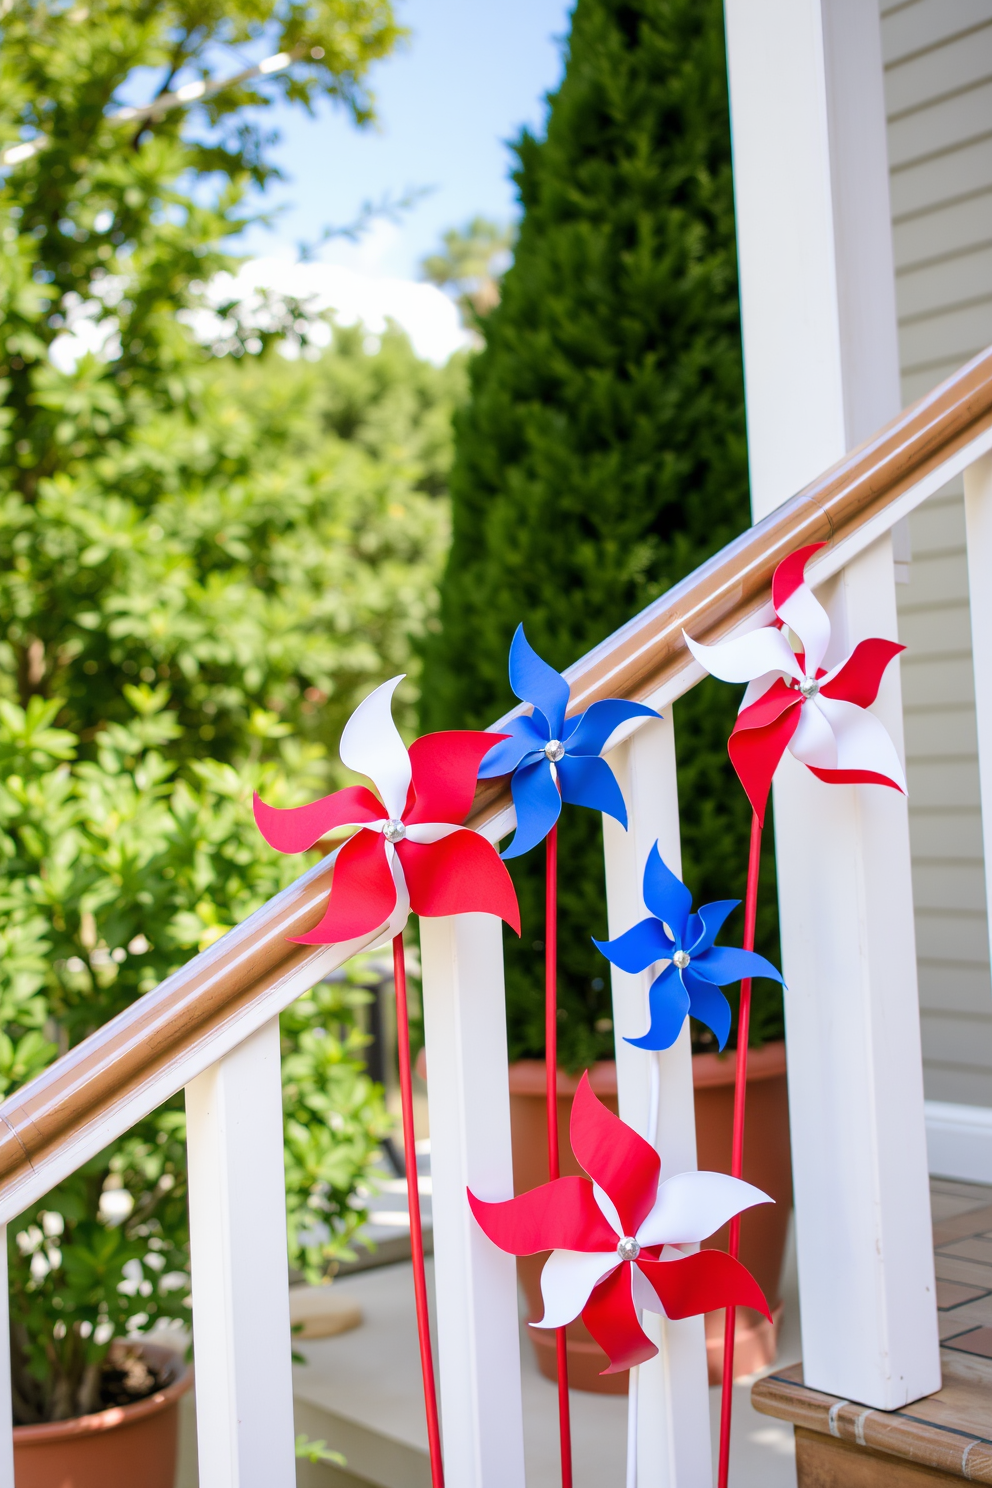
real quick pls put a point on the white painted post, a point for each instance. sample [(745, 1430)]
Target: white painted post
[(821, 372), (6, 1404), (978, 521), (476, 1284), (673, 1427), (237, 1213)]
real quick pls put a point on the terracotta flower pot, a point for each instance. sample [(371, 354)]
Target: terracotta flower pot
[(125, 1446), (763, 1231)]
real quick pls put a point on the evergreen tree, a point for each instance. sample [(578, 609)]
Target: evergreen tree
[(603, 453)]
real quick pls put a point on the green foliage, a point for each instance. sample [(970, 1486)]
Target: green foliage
[(602, 455), (470, 265), (318, 1451)]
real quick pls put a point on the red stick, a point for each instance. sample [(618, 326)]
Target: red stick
[(551, 1089), (737, 1156), (413, 1203)]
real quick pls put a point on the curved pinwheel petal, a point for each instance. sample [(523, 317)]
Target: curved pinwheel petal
[(524, 736), (769, 706), (864, 749), (725, 964), (611, 1317), (599, 720), (813, 741), (293, 829), (363, 892), (796, 604), (747, 656), (638, 948), (666, 896), (537, 801), (704, 1282), (706, 923), (460, 874), (561, 1215), (371, 745), (859, 678), (708, 1005), (622, 1163), (566, 1281), (692, 1206), (755, 754), (668, 1003), (587, 780), (444, 769), (533, 681)]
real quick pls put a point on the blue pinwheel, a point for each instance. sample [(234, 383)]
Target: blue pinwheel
[(696, 969), (552, 760)]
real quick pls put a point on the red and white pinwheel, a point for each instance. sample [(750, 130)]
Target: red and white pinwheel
[(412, 851), (793, 703), (614, 1241)]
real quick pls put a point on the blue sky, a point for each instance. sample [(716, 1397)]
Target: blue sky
[(472, 73)]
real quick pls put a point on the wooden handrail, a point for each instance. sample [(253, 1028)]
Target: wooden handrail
[(101, 1075)]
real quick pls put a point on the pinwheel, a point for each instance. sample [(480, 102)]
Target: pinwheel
[(615, 1241), (821, 716), (409, 851), (552, 760), (697, 968), (793, 703)]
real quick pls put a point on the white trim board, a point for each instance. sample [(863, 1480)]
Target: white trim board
[(959, 1141)]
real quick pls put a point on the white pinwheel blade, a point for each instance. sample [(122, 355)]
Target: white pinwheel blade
[(566, 1281), (747, 656), (813, 742), (371, 746), (806, 617), (608, 1209), (863, 741), (426, 832), (691, 1206)]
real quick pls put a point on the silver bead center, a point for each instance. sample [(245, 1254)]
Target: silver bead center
[(809, 687), (394, 830), (681, 959), (628, 1249), (554, 750)]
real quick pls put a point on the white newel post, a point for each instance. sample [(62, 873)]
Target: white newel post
[(821, 373), (673, 1429), (478, 1341), (978, 519), (237, 1212), (6, 1404)]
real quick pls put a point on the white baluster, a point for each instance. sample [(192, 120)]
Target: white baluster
[(673, 1428), (6, 1412), (237, 1204), (978, 519), (477, 1328)]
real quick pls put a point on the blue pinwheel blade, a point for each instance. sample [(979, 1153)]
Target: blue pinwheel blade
[(725, 964), (526, 737), (535, 682), (668, 1001), (600, 719), (708, 1004), (637, 948), (666, 896), (705, 925), (587, 780), (537, 803)]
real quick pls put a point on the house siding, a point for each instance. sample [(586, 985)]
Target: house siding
[(938, 88)]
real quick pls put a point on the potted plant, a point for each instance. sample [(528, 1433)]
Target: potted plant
[(114, 871)]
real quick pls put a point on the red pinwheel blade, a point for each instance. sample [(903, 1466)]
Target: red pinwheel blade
[(445, 768), (854, 777), (622, 1163), (859, 678), (611, 1318), (295, 828), (460, 874), (560, 1215), (790, 573), (703, 1282), (363, 892), (755, 754)]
